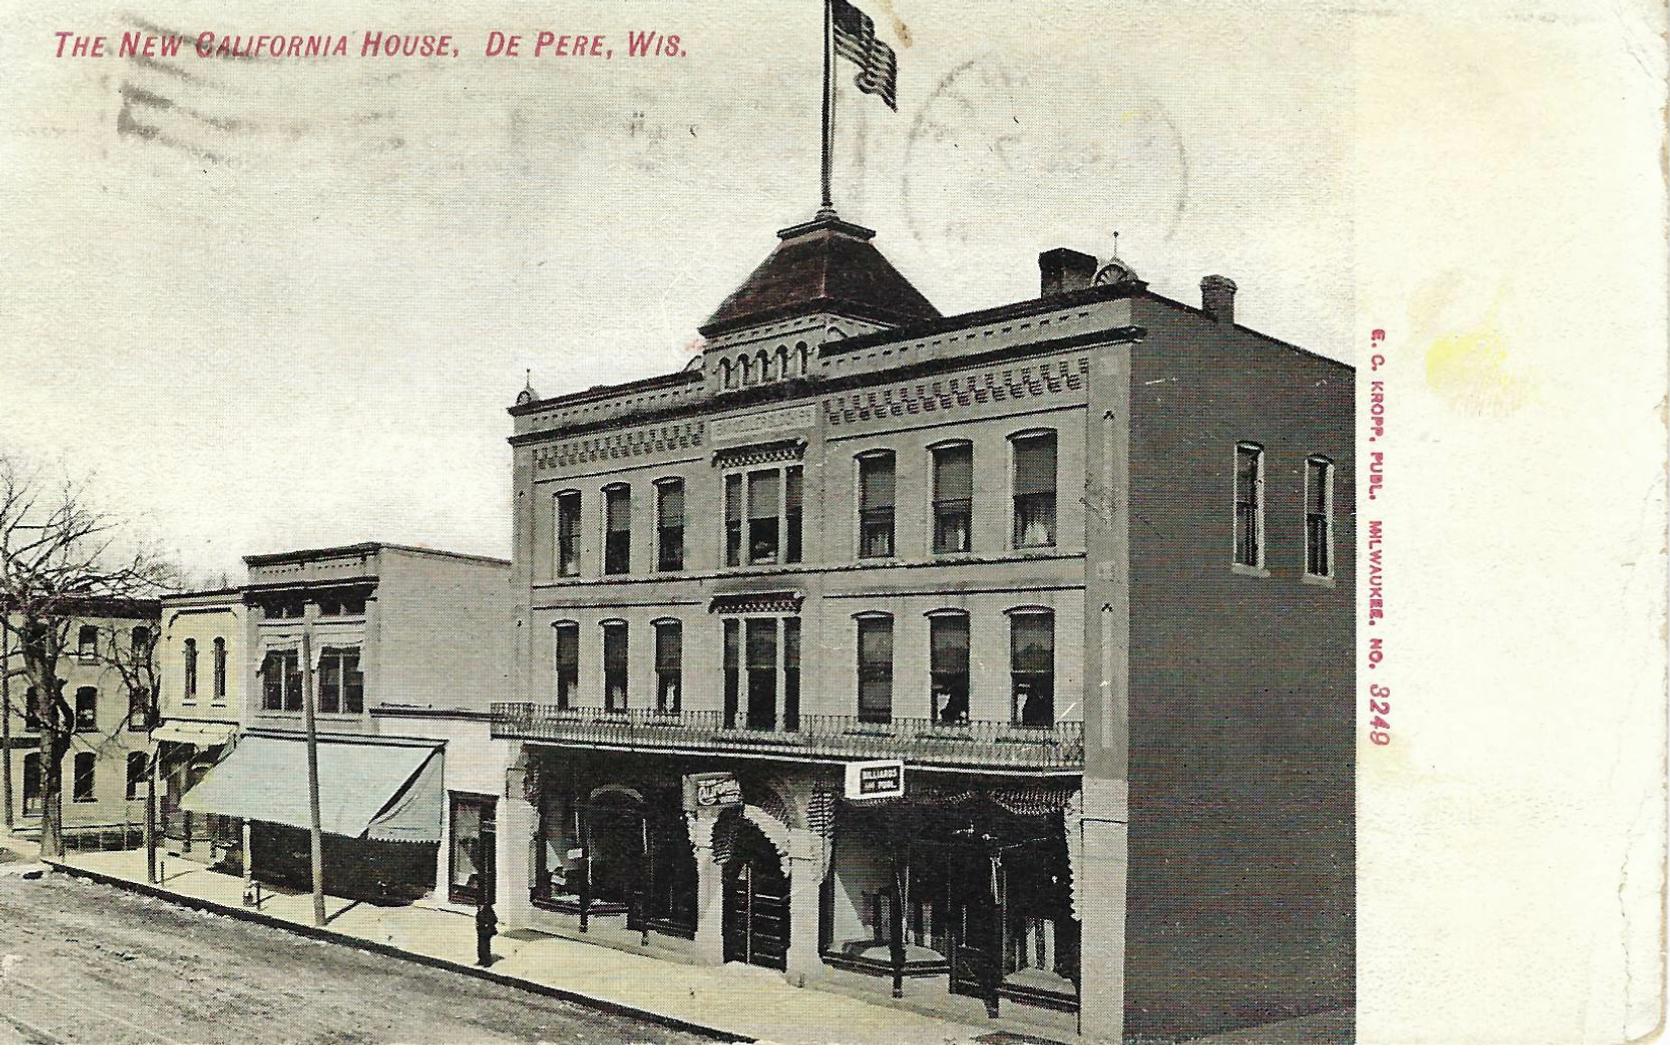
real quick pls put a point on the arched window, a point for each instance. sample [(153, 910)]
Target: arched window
[(220, 668), (727, 376), (669, 666), (804, 356), (768, 367), (191, 669), (1034, 488), (875, 504), (948, 666), (614, 665), (875, 668), (953, 497), (567, 664), (1032, 666), (747, 370), (617, 528)]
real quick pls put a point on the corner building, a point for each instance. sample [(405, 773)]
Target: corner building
[(1083, 563)]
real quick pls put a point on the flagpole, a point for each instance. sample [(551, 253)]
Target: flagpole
[(828, 207)]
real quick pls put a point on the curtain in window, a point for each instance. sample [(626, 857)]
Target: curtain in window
[(875, 505), (875, 669), (1035, 490)]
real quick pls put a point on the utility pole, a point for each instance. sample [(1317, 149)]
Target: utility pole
[(316, 838), (6, 720), (151, 813)]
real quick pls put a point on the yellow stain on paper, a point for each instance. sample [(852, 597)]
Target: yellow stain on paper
[(1470, 368)]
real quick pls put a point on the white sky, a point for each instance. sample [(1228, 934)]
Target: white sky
[(311, 336)]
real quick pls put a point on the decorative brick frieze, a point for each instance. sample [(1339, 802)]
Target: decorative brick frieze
[(620, 445), (959, 392)]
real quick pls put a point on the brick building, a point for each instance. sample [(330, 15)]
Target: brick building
[(1082, 563)]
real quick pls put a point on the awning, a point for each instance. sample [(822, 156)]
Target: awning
[(201, 733), (379, 790)]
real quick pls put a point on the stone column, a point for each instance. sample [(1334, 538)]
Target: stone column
[(1099, 895), (710, 889), (805, 867), (515, 828)]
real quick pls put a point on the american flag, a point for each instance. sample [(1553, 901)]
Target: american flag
[(855, 40)]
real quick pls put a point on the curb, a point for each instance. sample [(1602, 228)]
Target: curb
[(615, 1008)]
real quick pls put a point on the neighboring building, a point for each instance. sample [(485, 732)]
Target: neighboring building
[(204, 683), (1083, 563), (407, 646), (105, 767)]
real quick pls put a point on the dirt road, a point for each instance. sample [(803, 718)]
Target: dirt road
[(82, 962)]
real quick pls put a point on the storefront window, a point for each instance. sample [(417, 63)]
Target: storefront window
[(470, 875)]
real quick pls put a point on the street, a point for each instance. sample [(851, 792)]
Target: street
[(82, 962)]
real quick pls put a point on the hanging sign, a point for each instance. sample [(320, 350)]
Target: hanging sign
[(704, 791), (880, 779)]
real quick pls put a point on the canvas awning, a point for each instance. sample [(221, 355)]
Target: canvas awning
[(200, 733), (376, 790)]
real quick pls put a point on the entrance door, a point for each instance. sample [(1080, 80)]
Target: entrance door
[(756, 902), (470, 872), (975, 897)]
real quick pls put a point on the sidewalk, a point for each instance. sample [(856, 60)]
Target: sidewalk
[(732, 1001)]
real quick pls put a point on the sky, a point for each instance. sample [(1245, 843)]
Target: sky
[(280, 304)]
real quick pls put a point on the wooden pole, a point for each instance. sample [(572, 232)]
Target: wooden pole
[(316, 837), (151, 815), (6, 721), (249, 866)]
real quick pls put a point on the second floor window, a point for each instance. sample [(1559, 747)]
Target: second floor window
[(875, 669), (1319, 517), (32, 784), (948, 663), (617, 529), (568, 534), (220, 668), (1032, 668), (669, 667), (341, 682), (85, 764), (281, 681), (87, 643), (86, 710), (875, 505), (669, 525), (31, 710), (1249, 505), (567, 665), (140, 715), (733, 675), (1034, 490), (191, 669), (953, 497), (614, 666)]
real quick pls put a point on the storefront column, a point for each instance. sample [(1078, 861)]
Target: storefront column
[(805, 864), (1099, 892), (515, 830), (710, 890)]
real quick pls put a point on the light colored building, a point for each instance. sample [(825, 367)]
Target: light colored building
[(104, 770), (204, 686), (1082, 563), (407, 646)]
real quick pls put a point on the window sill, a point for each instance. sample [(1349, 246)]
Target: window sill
[(1250, 572), (1326, 581), (83, 802), (1046, 546)]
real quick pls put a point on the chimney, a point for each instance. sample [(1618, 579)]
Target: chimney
[(1217, 297), (1061, 270)]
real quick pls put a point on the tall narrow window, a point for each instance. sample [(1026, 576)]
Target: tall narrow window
[(1032, 667), (617, 529), (567, 665), (85, 763), (761, 648), (763, 506), (953, 497), (733, 520), (614, 666), (31, 710), (791, 675), (948, 661), (669, 525), (292, 681), (86, 710), (669, 667), (568, 534), (732, 663), (1319, 517), (220, 668), (330, 682), (353, 682), (793, 489), (140, 715), (1034, 490), (1249, 505), (875, 669), (87, 643), (137, 767), (140, 639), (32, 784), (875, 505), (191, 669)]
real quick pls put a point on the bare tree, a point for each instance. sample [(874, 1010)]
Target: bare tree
[(59, 557)]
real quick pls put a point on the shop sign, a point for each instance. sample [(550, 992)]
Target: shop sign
[(880, 779), (704, 791)]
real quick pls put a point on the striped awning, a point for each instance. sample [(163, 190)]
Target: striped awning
[(199, 733)]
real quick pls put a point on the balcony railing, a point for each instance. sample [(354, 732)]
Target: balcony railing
[(922, 741)]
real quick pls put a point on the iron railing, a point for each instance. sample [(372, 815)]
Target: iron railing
[(916, 740)]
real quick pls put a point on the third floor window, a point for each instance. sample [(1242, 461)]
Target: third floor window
[(763, 516), (1034, 489), (669, 525), (953, 497), (875, 505), (568, 534)]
